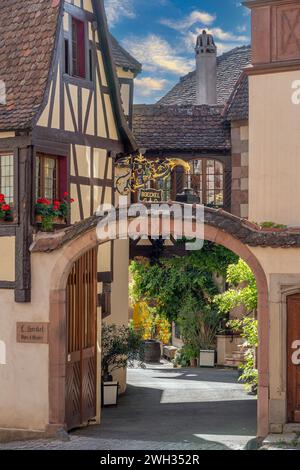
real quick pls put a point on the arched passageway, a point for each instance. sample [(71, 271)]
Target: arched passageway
[(74, 243)]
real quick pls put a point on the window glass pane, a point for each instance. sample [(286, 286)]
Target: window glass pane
[(210, 167), (196, 177), (215, 183), (50, 178), (197, 167), (47, 177), (7, 177)]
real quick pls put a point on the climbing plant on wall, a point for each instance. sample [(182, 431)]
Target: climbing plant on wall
[(243, 292), (173, 283)]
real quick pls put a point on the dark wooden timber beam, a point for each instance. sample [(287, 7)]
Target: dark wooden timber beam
[(24, 230)]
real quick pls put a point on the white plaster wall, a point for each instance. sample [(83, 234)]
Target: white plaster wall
[(274, 149), (24, 377)]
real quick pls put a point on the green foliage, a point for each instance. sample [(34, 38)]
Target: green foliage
[(121, 346), (184, 356), (272, 225), (198, 327), (172, 282), (248, 327), (183, 289), (243, 291)]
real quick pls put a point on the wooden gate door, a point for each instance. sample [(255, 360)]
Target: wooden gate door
[(293, 366), (81, 341)]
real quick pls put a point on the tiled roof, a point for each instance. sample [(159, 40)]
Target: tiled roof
[(238, 104), (157, 127), (241, 229), (27, 38), (28, 31), (229, 69), (122, 58)]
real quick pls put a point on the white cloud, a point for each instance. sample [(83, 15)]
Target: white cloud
[(117, 9), (146, 86), (241, 28), (193, 18), (218, 33), (156, 54)]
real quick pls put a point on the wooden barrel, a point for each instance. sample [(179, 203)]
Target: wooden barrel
[(152, 351)]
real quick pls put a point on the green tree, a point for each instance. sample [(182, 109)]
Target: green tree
[(243, 292), (183, 289), (172, 283)]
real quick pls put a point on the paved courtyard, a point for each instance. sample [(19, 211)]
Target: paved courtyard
[(169, 409)]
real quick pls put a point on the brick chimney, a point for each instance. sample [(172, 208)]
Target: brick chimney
[(206, 69)]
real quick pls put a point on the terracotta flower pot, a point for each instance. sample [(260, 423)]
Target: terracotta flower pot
[(59, 221), (38, 219)]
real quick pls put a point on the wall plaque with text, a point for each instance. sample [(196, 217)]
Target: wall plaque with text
[(33, 333)]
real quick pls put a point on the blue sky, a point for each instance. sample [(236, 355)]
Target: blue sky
[(161, 34)]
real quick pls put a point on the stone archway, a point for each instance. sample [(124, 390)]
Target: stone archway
[(220, 228)]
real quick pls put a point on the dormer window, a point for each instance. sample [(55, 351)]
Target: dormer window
[(78, 49)]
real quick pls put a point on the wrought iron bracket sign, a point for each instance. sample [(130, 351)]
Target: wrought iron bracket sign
[(138, 171)]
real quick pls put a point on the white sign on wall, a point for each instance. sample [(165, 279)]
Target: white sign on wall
[(2, 353), (296, 92)]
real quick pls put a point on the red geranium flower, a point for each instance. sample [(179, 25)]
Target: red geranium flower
[(42, 200), (6, 207), (2, 198), (66, 194)]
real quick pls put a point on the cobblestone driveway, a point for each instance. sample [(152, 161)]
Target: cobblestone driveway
[(169, 409)]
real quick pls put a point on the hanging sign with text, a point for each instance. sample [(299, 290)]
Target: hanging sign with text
[(36, 333), (151, 195)]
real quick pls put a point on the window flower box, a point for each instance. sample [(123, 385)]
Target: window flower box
[(5, 211), (48, 213)]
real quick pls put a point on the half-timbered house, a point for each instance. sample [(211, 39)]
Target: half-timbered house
[(63, 122)]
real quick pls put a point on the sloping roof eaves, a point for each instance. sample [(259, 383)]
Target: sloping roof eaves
[(181, 128), (129, 141), (122, 58), (237, 108), (28, 33)]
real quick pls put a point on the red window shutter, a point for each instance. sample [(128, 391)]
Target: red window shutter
[(63, 176), (79, 48)]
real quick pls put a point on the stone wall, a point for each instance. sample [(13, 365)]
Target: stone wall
[(240, 169)]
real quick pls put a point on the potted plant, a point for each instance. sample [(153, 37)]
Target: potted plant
[(208, 329), (5, 210), (121, 346), (154, 328), (199, 323), (48, 214)]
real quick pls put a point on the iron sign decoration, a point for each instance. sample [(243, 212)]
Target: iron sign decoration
[(139, 171)]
